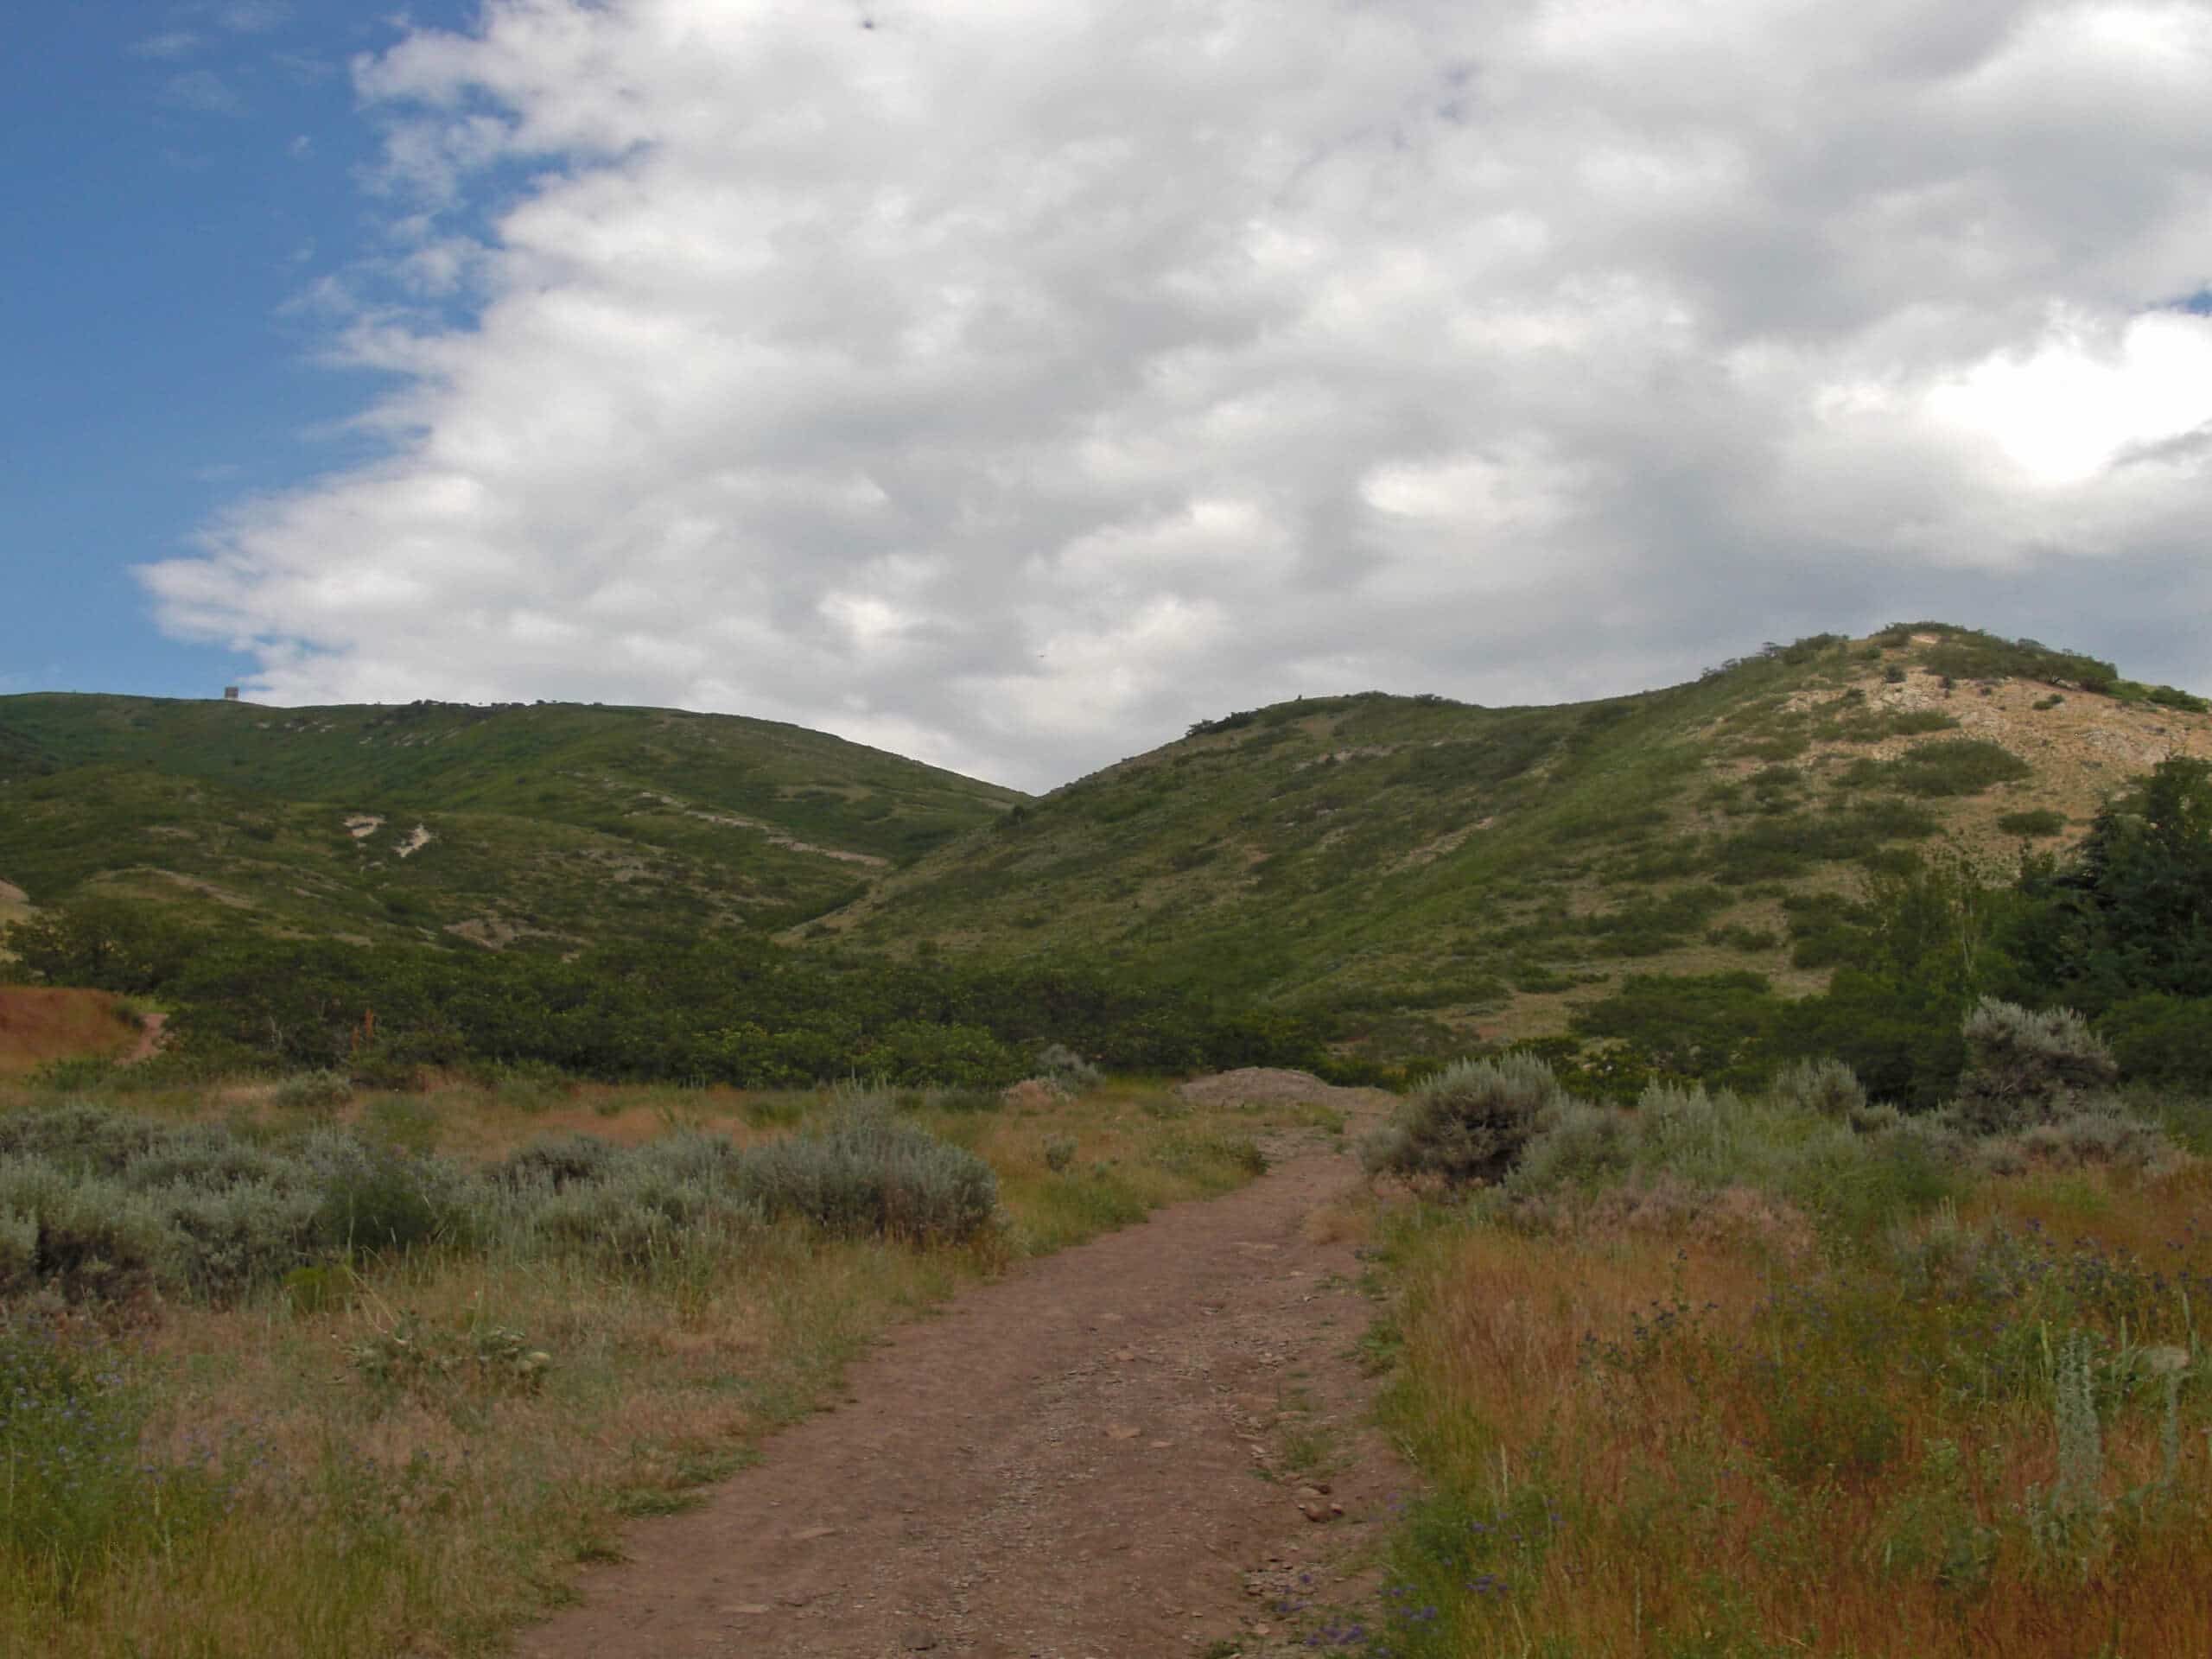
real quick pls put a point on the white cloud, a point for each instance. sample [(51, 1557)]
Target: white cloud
[(1011, 385)]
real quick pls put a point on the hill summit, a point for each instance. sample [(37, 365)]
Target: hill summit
[(1493, 868)]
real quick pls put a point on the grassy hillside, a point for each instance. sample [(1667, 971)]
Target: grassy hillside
[(1494, 867), (493, 823)]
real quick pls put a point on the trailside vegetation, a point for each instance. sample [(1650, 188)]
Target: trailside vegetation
[(728, 1008)]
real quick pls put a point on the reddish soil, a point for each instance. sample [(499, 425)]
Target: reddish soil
[(1095, 1456)]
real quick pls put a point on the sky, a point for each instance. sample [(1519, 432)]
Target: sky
[(1011, 385)]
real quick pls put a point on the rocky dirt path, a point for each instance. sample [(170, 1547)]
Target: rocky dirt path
[(1130, 1449)]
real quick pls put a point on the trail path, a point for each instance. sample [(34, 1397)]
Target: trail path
[(149, 1042), (1085, 1460)]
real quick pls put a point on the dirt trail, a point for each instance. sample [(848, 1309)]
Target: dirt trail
[(149, 1043), (1081, 1461)]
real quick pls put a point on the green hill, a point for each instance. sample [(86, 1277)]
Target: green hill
[(1493, 868), (500, 823)]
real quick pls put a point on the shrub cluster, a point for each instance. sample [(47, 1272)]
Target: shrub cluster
[(100, 1205), (1469, 1122), (2026, 1068), (867, 1172), (1825, 1086)]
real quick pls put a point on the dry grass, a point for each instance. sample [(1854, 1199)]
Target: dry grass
[(357, 1509), (38, 1025), (1647, 1443)]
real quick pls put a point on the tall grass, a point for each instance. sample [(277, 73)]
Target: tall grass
[(1731, 1378)]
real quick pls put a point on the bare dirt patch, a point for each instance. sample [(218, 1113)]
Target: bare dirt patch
[(1266, 1086), (1114, 1452)]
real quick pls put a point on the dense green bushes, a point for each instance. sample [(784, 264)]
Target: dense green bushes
[(725, 1008)]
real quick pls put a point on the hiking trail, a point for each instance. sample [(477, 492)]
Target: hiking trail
[(1142, 1445)]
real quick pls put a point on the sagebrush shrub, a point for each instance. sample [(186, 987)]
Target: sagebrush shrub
[(2024, 1068), (2098, 1135), (1828, 1087), (1583, 1146), (88, 1236), (1470, 1122), (636, 1218), (1058, 1060), (558, 1160), (867, 1172)]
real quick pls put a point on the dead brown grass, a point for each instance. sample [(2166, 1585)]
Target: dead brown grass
[(1701, 1445), (39, 1023)]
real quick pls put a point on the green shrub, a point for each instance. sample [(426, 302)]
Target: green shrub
[(1825, 1086), (323, 1091), (228, 1241), (89, 1238), (867, 1172), (639, 1215), (558, 1161), (1470, 1122), (2036, 821), (2104, 1134), (2024, 1068), (1058, 1061), (1581, 1147), (380, 1201), (414, 1356), (1059, 1152), (2163, 1040), (1960, 766), (80, 1136)]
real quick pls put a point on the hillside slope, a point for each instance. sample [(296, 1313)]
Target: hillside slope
[(429, 819), (1493, 867)]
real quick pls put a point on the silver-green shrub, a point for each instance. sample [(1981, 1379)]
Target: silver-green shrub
[(1581, 1147), (869, 1172), (1828, 1087), (634, 1216), (2024, 1068), (1058, 1061), (1470, 1122), (89, 1236), (558, 1161)]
